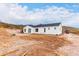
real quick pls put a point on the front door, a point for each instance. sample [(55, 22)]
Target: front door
[(29, 30)]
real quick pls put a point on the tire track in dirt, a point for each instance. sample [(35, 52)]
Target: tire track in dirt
[(71, 49)]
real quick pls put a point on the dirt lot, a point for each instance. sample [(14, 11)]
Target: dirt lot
[(71, 49), (30, 45)]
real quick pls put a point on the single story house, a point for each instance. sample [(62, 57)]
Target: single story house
[(54, 28)]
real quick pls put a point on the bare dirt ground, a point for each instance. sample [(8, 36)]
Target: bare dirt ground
[(29, 45), (10, 44), (37, 45), (71, 49)]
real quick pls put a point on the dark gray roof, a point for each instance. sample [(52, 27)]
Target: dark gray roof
[(45, 25)]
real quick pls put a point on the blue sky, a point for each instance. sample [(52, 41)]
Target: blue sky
[(40, 13), (44, 5)]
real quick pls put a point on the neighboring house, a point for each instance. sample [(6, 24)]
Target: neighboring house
[(54, 28)]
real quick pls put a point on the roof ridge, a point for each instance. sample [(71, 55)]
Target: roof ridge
[(44, 25)]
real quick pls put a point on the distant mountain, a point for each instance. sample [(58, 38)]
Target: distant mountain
[(6, 25)]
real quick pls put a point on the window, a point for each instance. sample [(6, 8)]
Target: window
[(55, 28), (44, 29), (48, 28), (24, 30), (29, 30), (36, 30)]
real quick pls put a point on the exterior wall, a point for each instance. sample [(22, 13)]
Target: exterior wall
[(51, 30), (27, 27)]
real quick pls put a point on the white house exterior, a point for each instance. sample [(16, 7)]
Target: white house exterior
[(54, 28)]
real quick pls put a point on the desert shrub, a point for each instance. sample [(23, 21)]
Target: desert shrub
[(21, 31), (67, 31), (13, 34)]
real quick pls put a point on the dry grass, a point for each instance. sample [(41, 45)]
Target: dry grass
[(75, 32)]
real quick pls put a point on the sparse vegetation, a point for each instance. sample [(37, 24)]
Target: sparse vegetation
[(10, 26), (71, 30)]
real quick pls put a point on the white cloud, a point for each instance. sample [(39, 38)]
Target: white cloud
[(14, 13), (11, 11)]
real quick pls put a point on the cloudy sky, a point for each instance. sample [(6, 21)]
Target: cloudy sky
[(30, 13)]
